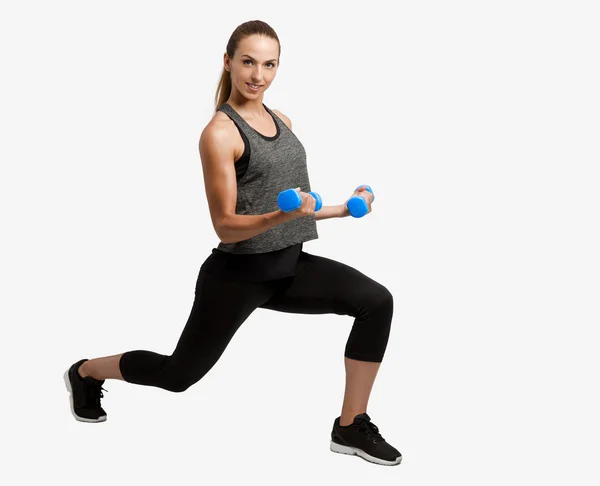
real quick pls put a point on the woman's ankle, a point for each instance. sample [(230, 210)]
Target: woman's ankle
[(83, 369), (347, 418)]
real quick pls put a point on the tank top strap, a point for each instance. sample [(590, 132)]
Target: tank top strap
[(226, 108), (245, 126)]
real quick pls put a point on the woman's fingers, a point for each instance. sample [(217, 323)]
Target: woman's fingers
[(307, 205)]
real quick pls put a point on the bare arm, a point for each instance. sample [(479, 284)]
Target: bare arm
[(327, 212), (217, 155)]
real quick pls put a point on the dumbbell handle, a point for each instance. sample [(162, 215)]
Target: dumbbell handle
[(290, 200), (357, 206)]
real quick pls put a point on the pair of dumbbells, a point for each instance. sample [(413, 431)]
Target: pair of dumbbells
[(290, 200)]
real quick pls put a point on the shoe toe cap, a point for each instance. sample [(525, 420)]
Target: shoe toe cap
[(388, 452)]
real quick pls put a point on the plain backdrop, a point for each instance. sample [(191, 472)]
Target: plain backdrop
[(475, 123)]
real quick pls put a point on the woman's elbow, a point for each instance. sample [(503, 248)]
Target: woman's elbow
[(222, 235), (225, 241), (223, 232)]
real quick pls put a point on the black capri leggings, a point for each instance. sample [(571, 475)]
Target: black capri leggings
[(222, 304)]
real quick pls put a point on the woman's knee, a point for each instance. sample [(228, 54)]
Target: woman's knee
[(370, 333), (379, 299), (177, 385), (179, 379), (180, 383), (386, 299)]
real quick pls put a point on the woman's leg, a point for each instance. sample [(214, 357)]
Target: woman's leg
[(360, 376), (220, 306), (326, 286), (102, 368)]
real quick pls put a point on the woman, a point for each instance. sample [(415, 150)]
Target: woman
[(249, 154)]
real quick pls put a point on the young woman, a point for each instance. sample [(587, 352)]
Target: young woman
[(249, 155)]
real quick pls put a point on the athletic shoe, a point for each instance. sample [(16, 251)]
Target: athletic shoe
[(362, 438), (85, 395)]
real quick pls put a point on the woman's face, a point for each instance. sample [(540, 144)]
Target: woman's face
[(255, 61)]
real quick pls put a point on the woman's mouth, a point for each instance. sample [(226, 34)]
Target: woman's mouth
[(253, 87)]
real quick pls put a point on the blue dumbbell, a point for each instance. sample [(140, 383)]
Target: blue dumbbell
[(357, 205), (290, 200)]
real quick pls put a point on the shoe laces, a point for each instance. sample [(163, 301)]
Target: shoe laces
[(94, 393), (371, 430)]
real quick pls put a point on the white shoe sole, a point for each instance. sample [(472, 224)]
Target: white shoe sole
[(352, 451), (77, 417)]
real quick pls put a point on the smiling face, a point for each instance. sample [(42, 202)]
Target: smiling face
[(255, 62)]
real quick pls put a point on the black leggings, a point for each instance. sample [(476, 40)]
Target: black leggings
[(222, 304)]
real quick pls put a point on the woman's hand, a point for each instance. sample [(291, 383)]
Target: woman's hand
[(362, 192), (307, 206)]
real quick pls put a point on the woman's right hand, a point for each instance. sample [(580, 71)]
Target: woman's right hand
[(307, 206)]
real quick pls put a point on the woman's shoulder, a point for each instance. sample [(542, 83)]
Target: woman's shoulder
[(220, 127), (283, 117), (220, 132), (219, 121)]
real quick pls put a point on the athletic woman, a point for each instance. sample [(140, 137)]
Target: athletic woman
[(249, 155)]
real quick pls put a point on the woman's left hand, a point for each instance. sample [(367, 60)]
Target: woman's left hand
[(362, 192)]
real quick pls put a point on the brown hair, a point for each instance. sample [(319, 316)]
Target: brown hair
[(252, 27)]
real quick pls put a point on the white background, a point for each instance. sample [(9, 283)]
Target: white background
[(476, 124)]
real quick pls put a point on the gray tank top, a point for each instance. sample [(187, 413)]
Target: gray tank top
[(275, 164)]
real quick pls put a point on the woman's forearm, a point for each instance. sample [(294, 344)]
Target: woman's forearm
[(240, 227), (326, 212)]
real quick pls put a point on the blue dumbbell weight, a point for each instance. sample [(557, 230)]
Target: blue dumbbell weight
[(290, 200), (357, 205)]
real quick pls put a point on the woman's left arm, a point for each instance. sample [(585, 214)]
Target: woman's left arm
[(341, 210), (326, 212)]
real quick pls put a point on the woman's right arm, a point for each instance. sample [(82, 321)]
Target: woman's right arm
[(218, 159)]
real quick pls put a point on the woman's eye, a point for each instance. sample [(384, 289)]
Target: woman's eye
[(248, 60)]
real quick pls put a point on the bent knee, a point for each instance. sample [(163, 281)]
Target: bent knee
[(377, 300), (180, 383), (387, 299), (381, 299), (177, 386)]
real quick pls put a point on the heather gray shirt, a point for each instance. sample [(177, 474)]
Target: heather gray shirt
[(275, 164)]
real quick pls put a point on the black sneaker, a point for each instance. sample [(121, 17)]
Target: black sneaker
[(85, 394), (362, 438)]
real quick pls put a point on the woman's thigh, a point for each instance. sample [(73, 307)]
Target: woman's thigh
[(220, 307), (326, 286)]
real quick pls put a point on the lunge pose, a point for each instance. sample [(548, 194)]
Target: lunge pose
[(249, 157)]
